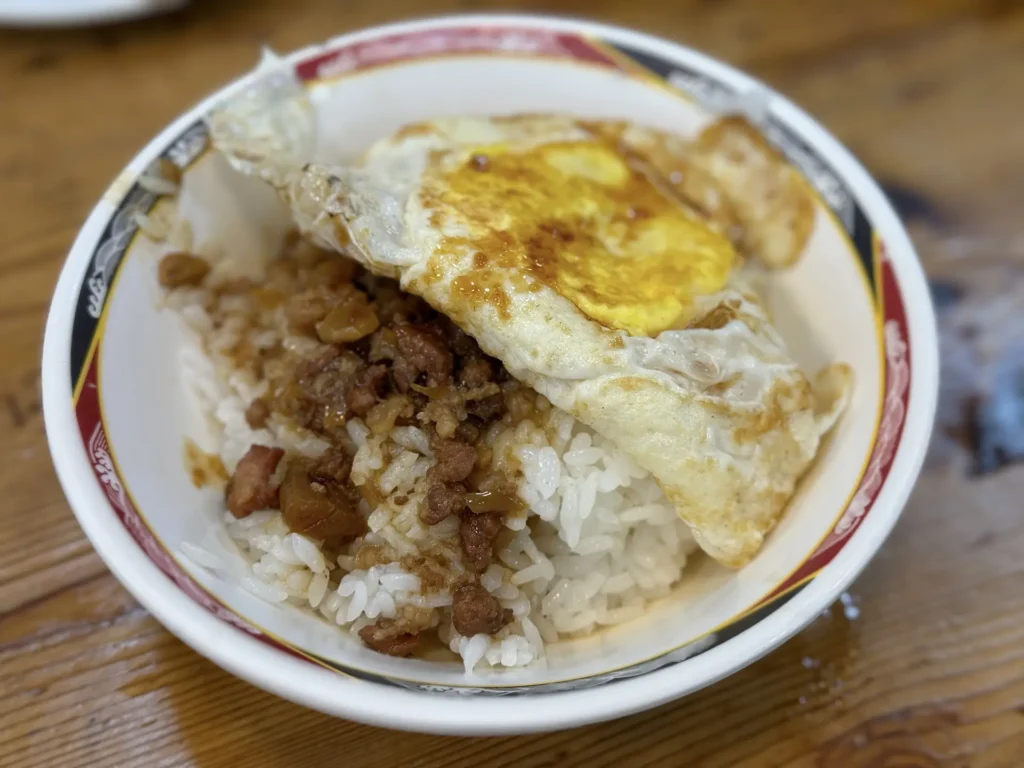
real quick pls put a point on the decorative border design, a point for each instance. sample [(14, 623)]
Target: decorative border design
[(756, 105), (90, 424), (117, 236), (890, 430), (459, 40)]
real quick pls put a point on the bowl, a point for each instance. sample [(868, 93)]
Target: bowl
[(117, 416)]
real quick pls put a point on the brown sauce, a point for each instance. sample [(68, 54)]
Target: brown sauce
[(431, 648), (584, 218), (206, 470)]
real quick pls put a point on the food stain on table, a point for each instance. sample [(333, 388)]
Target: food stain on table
[(981, 406), (896, 740), (827, 650)]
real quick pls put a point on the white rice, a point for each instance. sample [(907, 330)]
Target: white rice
[(598, 542), (157, 184)]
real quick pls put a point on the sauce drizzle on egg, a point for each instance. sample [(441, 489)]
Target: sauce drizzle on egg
[(581, 218)]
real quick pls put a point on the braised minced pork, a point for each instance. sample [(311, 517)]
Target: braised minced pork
[(375, 353)]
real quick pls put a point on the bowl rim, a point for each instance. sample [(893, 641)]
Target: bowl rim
[(290, 678)]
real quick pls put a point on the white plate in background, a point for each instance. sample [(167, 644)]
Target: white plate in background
[(60, 13)]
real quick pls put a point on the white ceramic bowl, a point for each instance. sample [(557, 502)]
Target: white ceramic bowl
[(116, 418)]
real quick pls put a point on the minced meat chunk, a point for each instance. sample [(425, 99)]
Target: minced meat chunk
[(382, 417), (334, 271), (476, 534), (386, 637), (461, 342), (350, 320), (426, 351), (307, 308), (475, 611), (488, 408), (442, 501), (403, 374), (383, 345), (475, 372), (441, 415), (327, 379), (177, 270), (455, 460), (316, 397), (320, 510), (468, 431), (393, 304), (250, 488), (519, 403), (367, 389), (360, 400), (334, 466), (257, 413)]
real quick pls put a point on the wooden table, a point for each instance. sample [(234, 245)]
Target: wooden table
[(925, 668)]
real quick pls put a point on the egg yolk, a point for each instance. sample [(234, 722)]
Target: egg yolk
[(583, 219)]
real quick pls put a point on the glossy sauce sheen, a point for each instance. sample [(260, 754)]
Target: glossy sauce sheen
[(582, 219), (204, 469)]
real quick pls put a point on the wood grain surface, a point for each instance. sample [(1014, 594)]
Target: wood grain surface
[(924, 665)]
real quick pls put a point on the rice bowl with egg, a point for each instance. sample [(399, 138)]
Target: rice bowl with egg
[(146, 518), (450, 499)]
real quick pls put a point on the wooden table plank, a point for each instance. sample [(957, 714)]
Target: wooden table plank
[(924, 667)]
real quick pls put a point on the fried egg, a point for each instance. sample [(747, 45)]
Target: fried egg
[(738, 181), (581, 256)]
